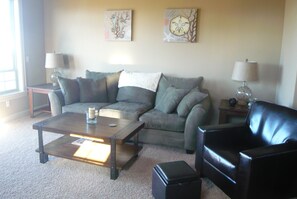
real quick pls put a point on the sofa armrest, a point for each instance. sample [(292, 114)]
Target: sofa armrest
[(56, 99), (197, 116), (268, 172)]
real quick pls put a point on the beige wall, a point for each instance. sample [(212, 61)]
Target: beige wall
[(34, 49), (287, 88), (229, 30)]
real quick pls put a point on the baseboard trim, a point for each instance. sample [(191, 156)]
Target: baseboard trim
[(19, 114), (15, 116)]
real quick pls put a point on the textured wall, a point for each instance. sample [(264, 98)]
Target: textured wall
[(287, 88), (229, 30)]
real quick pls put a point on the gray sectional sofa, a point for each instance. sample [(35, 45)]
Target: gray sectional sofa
[(171, 114)]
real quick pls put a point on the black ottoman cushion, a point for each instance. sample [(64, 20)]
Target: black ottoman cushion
[(173, 180)]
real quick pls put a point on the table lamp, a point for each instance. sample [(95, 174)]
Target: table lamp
[(54, 60), (244, 71)]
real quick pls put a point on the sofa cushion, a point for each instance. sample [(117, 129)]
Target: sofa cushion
[(155, 119), (136, 95), (189, 101), (170, 99), (138, 87), (177, 82), (124, 110), (92, 90), (112, 80), (70, 90), (82, 107), (180, 82)]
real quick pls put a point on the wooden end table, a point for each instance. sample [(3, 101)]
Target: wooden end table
[(226, 112), (39, 89), (106, 145)]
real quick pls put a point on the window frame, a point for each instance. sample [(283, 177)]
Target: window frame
[(18, 55)]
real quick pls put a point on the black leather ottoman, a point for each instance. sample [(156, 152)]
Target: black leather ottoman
[(174, 180)]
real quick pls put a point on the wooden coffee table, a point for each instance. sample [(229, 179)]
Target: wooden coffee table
[(106, 144)]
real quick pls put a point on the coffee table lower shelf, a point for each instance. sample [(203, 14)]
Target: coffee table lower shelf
[(63, 147)]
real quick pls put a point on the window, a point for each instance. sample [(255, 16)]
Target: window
[(11, 64)]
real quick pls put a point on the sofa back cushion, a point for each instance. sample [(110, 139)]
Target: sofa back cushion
[(271, 123), (138, 87), (177, 82), (70, 90), (112, 80), (92, 90)]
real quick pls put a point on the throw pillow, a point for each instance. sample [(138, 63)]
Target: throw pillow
[(138, 87), (70, 90), (170, 99), (112, 80), (163, 85), (92, 90), (177, 82), (136, 95), (189, 101)]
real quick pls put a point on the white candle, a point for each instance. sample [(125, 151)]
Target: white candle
[(91, 113)]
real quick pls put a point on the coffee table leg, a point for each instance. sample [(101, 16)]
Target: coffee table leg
[(43, 157), (135, 140), (114, 173), (136, 144)]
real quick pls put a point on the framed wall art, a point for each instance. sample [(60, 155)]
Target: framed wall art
[(180, 25), (118, 25)]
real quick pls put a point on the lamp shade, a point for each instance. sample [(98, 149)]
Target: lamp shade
[(54, 60), (245, 71)]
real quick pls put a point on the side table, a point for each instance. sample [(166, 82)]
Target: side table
[(39, 89), (227, 111)]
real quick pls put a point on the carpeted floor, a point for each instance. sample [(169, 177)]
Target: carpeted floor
[(22, 176)]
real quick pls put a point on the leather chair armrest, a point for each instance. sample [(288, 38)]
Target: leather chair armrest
[(220, 127), (231, 134), (268, 172)]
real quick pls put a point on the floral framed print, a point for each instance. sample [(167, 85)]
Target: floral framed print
[(118, 25), (180, 25)]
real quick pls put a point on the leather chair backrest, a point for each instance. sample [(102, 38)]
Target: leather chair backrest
[(271, 123)]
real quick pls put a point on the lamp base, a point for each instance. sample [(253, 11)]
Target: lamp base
[(243, 95), (55, 84), (54, 77)]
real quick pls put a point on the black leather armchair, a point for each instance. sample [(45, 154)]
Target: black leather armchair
[(256, 159)]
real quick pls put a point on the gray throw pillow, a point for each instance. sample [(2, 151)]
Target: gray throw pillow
[(189, 101), (70, 90), (170, 99), (92, 90), (112, 80), (177, 82), (162, 86), (136, 95)]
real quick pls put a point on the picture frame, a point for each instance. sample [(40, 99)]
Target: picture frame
[(180, 25), (118, 25)]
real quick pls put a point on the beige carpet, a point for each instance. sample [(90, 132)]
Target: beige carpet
[(22, 176)]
